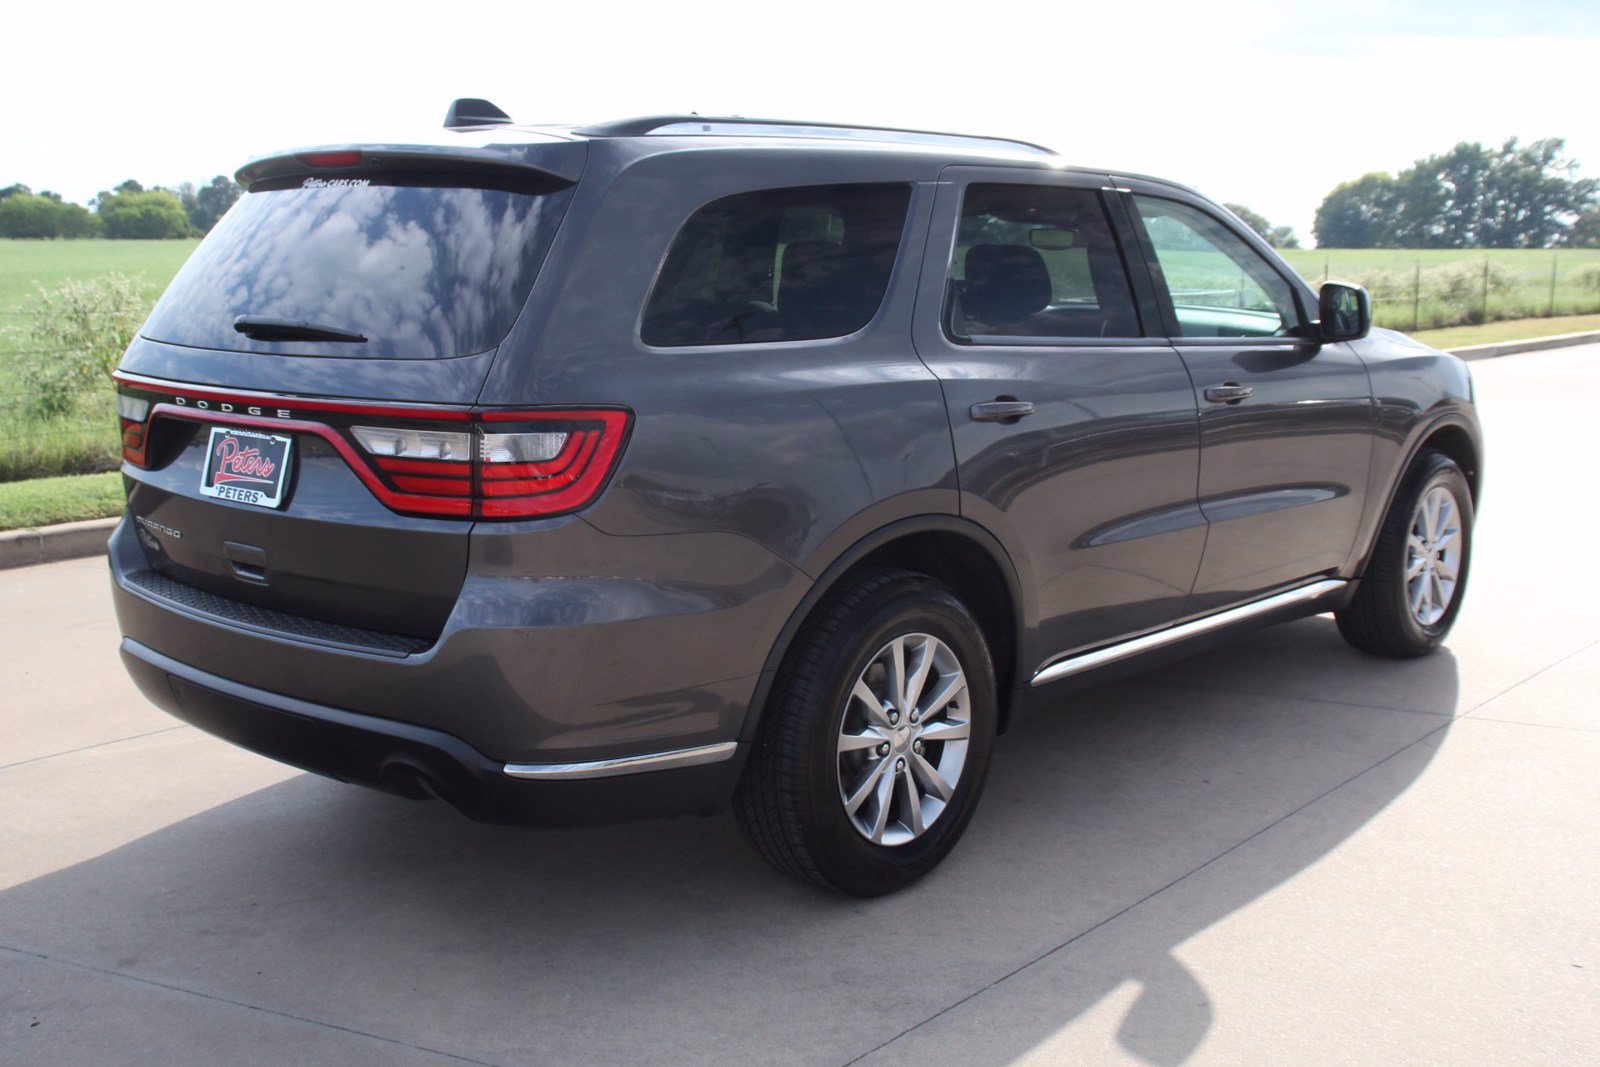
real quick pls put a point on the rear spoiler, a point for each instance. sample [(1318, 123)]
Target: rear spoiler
[(551, 164)]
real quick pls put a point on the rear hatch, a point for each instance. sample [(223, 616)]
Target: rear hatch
[(298, 415)]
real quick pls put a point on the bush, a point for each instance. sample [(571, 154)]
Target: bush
[(143, 215), (72, 339)]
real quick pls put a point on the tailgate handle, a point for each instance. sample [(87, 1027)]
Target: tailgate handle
[(249, 562)]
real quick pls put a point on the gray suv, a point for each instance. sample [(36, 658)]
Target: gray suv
[(645, 468)]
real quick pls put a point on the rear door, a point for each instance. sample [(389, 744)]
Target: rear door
[(1286, 424), (1075, 431), (296, 409)]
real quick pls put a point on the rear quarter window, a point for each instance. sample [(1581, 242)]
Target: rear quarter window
[(421, 271), (778, 265)]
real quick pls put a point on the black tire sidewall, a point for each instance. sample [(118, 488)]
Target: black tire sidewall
[(1438, 470), (852, 862)]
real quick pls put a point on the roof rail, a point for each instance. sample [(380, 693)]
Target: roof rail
[(736, 126)]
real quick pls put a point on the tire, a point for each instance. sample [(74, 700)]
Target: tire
[(1396, 610), (819, 740)]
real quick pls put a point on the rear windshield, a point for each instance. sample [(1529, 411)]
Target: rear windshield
[(420, 271)]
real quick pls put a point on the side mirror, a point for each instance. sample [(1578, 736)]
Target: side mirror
[(1345, 311)]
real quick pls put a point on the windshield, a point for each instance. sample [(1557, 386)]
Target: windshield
[(419, 271)]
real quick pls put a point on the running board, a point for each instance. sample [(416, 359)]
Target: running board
[(1066, 668)]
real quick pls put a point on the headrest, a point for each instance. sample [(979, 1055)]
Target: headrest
[(1005, 283)]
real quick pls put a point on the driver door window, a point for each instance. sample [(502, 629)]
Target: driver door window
[(1219, 286)]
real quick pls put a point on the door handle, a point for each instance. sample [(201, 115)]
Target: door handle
[(1227, 393), (1001, 409)]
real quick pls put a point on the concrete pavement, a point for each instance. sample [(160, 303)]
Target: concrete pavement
[(1280, 852)]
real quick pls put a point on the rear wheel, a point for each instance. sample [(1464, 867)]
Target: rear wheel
[(1410, 595), (876, 738)]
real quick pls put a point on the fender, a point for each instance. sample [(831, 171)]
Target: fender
[(1457, 417), (855, 554)]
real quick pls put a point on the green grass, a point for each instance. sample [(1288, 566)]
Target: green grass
[(1510, 330), (49, 263), (44, 501)]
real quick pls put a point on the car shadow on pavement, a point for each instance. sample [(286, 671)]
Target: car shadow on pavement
[(671, 942)]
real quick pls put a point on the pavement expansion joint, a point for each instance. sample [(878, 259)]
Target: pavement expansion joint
[(41, 957), (97, 744), (1086, 931)]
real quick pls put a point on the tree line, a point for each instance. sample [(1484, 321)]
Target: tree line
[(1514, 196), (130, 211)]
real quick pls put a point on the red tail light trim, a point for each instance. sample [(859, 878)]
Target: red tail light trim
[(479, 488), (397, 501)]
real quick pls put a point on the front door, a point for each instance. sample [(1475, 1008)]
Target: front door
[(1074, 423), (1286, 424)]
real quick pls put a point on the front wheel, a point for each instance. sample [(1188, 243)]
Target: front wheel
[(876, 738), (1412, 590)]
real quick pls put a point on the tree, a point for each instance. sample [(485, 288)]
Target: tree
[(43, 216), (211, 202), (1585, 232), (13, 190), (1276, 236), (1358, 214), (1514, 196), (142, 215)]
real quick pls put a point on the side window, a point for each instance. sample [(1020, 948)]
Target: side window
[(1220, 286), (1037, 261), (778, 265)]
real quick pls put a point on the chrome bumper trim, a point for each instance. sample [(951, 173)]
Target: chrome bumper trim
[(1065, 668), (611, 768)]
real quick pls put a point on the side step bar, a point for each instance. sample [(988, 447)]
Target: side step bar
[(1077, 664)]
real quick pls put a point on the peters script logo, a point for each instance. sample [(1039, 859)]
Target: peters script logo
[(236, 463), (335, 183)]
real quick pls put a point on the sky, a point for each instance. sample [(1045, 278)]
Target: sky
[(1265, 104)]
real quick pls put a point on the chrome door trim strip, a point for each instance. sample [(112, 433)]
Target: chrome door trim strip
[(1070, 665), (611, 768)]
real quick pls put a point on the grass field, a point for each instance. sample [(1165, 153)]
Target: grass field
[(1507, 330)]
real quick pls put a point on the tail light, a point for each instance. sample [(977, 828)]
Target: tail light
[(483, 464), (509, 465)]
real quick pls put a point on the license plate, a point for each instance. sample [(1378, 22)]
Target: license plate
[(246, 466)]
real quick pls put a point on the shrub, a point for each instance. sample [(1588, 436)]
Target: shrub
[(143, 215), (73, 337)]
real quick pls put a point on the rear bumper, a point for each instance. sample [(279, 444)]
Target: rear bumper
[(416, 761)]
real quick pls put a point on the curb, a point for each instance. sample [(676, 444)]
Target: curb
[(48, 544), (1533, 344)]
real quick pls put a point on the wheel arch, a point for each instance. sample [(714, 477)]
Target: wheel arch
[(957, 552), (1454, 435)]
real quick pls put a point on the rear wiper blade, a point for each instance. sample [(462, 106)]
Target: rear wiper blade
[(260, 328)]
